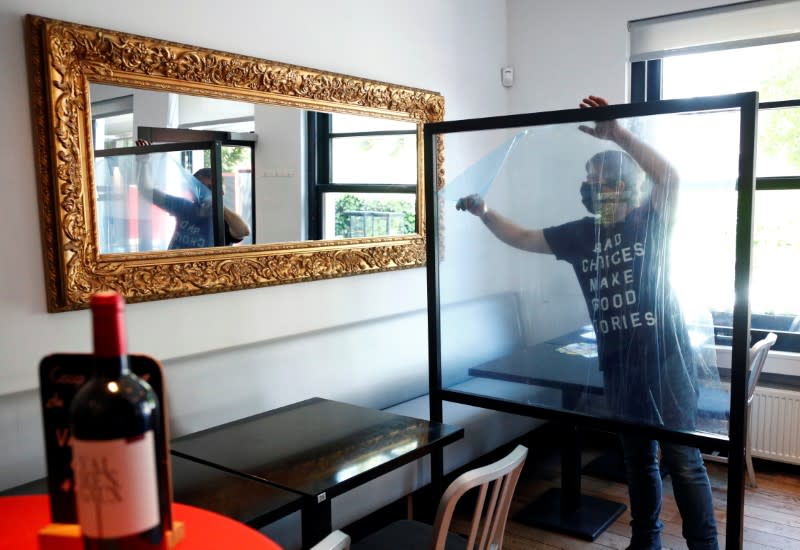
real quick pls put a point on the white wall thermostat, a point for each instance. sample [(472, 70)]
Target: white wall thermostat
[(507, 76)]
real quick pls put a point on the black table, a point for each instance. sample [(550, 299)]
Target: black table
[(562, 509), (241, 498), (317, 449)]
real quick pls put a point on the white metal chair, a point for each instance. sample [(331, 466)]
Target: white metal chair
[(337, 540), (716, 403), (497, 480)]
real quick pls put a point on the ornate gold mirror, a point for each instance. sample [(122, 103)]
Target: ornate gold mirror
[(76, 75)]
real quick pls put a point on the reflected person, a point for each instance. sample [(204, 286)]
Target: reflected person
[(194, 226), (620, 257)]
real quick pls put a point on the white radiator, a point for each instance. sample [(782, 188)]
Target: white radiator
[(775, 425)]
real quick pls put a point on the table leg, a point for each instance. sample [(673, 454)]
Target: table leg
[(570, 469), (565, 509), (315, 520)]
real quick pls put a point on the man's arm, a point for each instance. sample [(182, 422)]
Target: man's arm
[(504, 229), (237, 227)]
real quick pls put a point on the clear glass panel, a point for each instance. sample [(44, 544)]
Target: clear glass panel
[(350, 215), (344, 124), (770, 70), (375, 159), (614, 316), (152, 202), (778, 139)]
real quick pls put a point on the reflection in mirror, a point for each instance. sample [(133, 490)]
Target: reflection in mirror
[(364, 178), (319, 176), (166, 201), (325, 202)]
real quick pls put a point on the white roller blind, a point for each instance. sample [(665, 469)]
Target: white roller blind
[(735, 25)]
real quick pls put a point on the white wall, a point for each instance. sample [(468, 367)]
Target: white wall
[(560, 51), (280, 174)]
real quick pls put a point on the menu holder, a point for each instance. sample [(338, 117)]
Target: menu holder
[(60, 377)]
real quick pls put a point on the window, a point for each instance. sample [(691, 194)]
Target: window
[(112, 123), (362, 176), (771, 66)]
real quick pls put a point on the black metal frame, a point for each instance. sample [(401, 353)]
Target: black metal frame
[(734, 443), (217, 139)]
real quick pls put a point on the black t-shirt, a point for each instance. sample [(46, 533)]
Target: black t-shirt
[(643, 344), (194, 226)]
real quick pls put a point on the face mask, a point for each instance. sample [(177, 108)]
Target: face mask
[(586, 197), (607, 206)]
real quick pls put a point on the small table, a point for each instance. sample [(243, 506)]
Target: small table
[(562, 509), (237, 497), (21, 518), (318, 449)]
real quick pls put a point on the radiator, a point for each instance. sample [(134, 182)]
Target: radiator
[(775, 425)]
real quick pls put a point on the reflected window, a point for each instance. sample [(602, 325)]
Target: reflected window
[(362, 176), (112, 123), (772, 70)]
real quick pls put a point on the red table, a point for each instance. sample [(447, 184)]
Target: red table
[(21, 517)]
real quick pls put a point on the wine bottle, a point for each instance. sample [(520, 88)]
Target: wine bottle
[(115, 425)]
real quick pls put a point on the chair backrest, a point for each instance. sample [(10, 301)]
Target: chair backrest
[(489, 516), (336, 540), (758, 356)]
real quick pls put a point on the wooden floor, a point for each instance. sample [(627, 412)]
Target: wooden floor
[(772, 511)]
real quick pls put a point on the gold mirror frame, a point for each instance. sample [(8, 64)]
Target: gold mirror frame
[(63, 57)]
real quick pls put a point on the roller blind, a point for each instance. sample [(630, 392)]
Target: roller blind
[(730, 26)]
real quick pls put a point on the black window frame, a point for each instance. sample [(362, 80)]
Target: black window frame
[(646, 85), (320, 138)]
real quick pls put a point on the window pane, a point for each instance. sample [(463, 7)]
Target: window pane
[(776, 254), (342, 124), (778, 139), (772, 70), (237, 182), (350, 215), (375, 159), (112, 132)]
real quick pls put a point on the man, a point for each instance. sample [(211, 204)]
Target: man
[(620, 257)]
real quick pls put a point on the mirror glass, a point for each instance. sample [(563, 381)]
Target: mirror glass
[(151, 200)]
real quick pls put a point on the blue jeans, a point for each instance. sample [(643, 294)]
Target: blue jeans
[(690, 485)]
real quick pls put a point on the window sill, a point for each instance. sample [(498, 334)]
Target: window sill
[(782, 368)]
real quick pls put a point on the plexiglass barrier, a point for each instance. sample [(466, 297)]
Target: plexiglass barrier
[(581, 262), (153, 201)]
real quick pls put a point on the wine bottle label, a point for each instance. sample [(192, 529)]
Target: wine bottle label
[(116, 488)]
